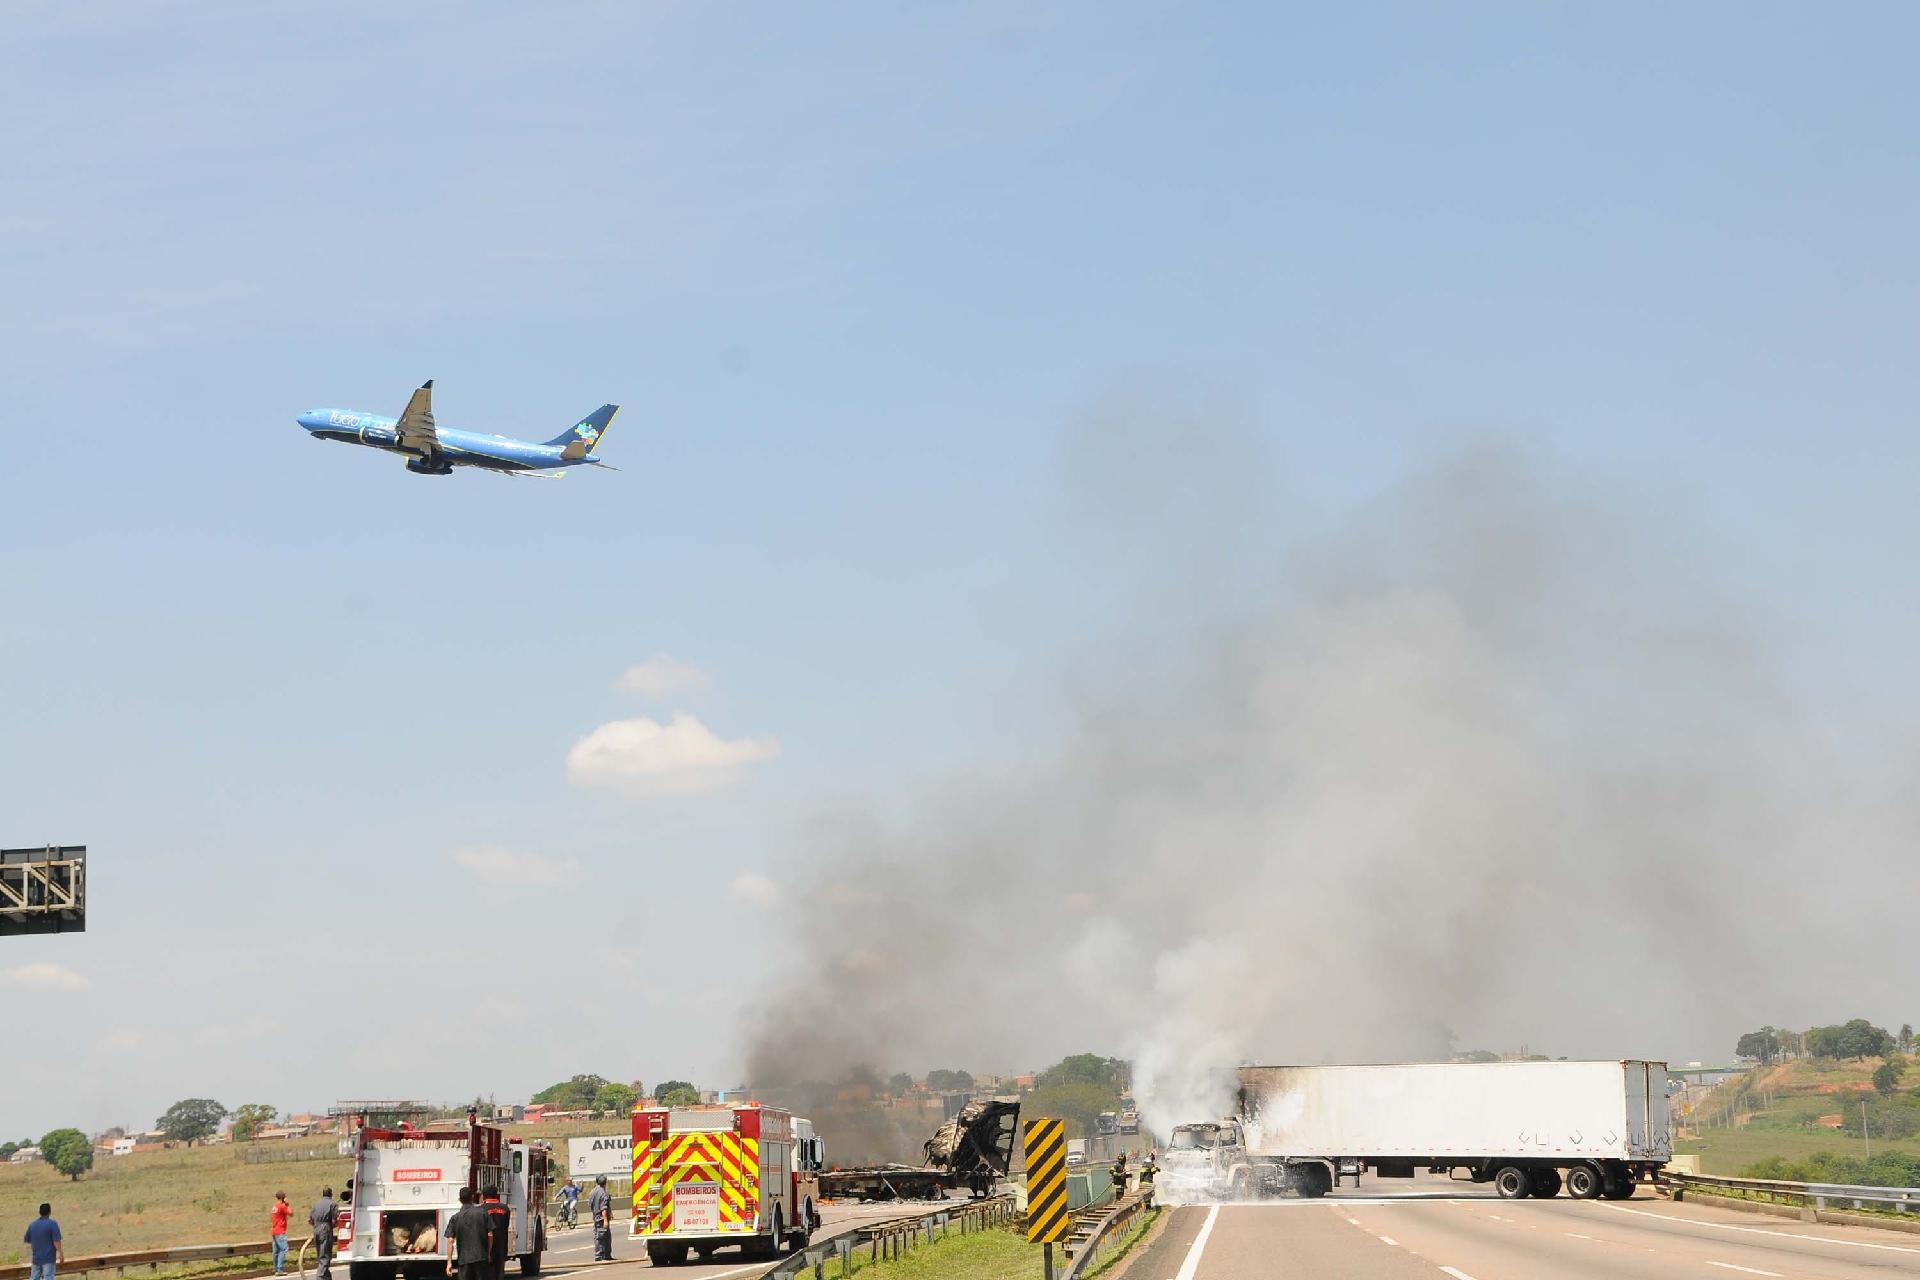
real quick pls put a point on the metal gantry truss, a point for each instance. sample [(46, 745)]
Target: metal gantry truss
[(43, 890)]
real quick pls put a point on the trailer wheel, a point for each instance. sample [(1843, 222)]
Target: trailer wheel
[(1546, 1184), (1512, 1181), (1584, 1182), (1311, 1181), (1620, 1185)]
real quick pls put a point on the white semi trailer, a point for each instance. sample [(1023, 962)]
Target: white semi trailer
[(1529, 1128)]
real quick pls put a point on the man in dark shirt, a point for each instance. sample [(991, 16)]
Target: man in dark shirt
[(43, 1233), (600, 1208), (498, 1223), (321, 1217), (466, 1236)]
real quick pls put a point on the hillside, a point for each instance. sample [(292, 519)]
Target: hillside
[(1802, 1119)]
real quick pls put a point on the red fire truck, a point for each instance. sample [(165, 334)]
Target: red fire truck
[(705, 1177), (406, 1184)]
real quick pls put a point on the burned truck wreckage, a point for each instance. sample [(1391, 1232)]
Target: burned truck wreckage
[(970, 1150)]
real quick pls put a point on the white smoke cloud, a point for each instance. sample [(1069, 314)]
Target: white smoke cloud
[(661, 675), (644, 757), (751, 886), (501, 866), (43, 976)]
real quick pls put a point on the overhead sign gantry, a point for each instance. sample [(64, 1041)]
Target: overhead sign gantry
[(43, 890)]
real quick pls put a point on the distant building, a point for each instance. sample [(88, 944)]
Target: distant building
[(25, 1155)]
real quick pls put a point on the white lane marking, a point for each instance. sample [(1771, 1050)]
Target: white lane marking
[(1577, 1236), (1192, 1264), (1762, 1231), (1390, 1240), (1752, 1271), (1354, 1221), (1456, 1273)]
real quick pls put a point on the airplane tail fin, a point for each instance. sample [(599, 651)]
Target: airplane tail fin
[(580, 438)]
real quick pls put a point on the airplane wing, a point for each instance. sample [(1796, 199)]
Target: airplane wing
[(415, 427)]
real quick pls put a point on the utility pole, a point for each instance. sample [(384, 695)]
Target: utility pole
[(1864, 1135)]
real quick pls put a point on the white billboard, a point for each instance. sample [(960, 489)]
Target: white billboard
[(611, 1155)]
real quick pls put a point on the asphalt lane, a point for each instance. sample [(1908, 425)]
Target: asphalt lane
[(569, 1248), (1433, 1235)]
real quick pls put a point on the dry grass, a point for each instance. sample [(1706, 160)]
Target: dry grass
[(190, 1195)]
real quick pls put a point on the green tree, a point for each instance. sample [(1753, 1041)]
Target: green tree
[(192, 1119), (898, 1083), (1079, 1104), (68, 1150), (615, 1097), (945, 1079), (1762, 1046), (248, 1120), (1087, 1068), (1905, 1038), (681, 1095), (1479, 1055), (576, 1094), (7, 1149), (1886, 1077), (664, 1091)]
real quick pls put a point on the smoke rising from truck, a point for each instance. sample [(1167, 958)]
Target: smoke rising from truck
[(1480, 765)]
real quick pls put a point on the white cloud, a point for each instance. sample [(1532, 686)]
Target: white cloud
[(523, 870), (751, 886), (123, 1040), (659, 676), (645, 757), (44, 976)]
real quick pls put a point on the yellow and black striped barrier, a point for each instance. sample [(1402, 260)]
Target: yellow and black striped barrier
[(1047, 1216)]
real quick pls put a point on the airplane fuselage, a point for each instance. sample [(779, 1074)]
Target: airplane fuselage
[(456, 448)]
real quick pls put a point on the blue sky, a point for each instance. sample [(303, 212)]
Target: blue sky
[(864, 278)]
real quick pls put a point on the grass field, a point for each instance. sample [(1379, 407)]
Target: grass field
[(190, 1195), (1729, 1151)]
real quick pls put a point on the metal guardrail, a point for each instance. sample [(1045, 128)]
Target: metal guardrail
[(1112, 1227), (894, 1237), (1814, 1196), (153, 1259)]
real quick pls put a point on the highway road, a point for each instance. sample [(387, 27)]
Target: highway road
[(1469, 1235), (566, 1249)]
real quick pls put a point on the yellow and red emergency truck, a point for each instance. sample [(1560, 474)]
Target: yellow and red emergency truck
[(705, 1177)]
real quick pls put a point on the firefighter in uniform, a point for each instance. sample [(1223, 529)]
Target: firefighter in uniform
[(1120, 1176), (499, 1221), (1147, 1170)]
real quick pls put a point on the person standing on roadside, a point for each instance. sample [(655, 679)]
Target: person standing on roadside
[(499, 1222), (277, 1229), (321, 1218), (468, 1248), (600, 1209), (43, 1233)]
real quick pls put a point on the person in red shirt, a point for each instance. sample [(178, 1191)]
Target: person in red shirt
[(278, 1230)]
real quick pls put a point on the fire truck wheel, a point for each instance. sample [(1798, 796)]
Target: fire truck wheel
[(530, 1263), (662, 1254), (779, 1233)]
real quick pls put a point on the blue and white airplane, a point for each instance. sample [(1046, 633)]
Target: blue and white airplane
[(436, 451)]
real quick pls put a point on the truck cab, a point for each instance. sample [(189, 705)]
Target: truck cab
[(1205, 1162)]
